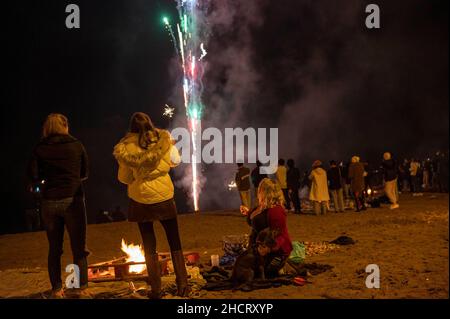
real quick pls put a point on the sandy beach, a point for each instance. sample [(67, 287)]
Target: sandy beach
[(410, 246)]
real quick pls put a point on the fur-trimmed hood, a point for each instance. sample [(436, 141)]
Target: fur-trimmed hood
[(128, 152)]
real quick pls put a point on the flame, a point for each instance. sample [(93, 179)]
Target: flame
[(369, 191), (134, 253)]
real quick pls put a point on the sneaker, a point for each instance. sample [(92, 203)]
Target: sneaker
[(394, 206)]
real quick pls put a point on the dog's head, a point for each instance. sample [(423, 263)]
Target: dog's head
[(266, 241)]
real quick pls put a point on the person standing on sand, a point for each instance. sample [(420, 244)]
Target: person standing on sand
[(356, 176), (257, 177), (281, 176), (335, 185), (414, 173), (145, 156), (319, 188), (242, 180), (390, 179), (293, 184), (59, 164)]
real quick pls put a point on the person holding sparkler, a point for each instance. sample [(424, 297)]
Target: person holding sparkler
[(145, 156), (242, 180)]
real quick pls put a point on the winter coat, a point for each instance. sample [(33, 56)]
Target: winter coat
[(356, 175), (293, 178), (335, 178), (389, 170), (243, 179), (281, 176), (257, 177), (319, 185), (62, 163), (146, 171)]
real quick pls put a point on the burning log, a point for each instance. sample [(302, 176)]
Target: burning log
[(132, 266)]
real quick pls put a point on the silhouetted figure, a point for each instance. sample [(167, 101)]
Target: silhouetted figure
[(281, 176), (242, 180), (356, 176), (293, 185), (335, 181), (390, 179), (257, 177)]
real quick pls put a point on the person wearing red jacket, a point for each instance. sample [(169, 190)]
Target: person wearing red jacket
[(270, 213)]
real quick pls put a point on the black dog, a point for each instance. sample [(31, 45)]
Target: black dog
[(250, 264)]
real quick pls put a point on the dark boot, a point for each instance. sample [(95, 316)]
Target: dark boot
[(154, 276), (179, 267)]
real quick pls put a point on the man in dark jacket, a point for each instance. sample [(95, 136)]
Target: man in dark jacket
[(293, 185), (390, 179), (59, 164), (335, 182), (257, 177), (242, 180)]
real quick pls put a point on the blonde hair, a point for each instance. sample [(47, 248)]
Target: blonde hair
[(270, 194), (355, 159), (55, 123)]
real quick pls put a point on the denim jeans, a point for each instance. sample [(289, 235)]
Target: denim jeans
[(71, 213)]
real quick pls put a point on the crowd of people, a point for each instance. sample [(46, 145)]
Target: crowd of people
[(145, 156), (342, 185)]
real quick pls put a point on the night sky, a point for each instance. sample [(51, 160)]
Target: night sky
[(311, 68)]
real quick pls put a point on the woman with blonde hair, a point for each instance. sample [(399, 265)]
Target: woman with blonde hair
[(145, 156), (270, 213), (58, 165)]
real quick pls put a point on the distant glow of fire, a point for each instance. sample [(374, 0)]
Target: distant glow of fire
[(369, 191), (135, 253)]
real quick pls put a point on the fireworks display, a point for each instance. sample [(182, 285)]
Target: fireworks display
[(191, 51)]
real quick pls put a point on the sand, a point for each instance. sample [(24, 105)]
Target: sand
[(410, 246)]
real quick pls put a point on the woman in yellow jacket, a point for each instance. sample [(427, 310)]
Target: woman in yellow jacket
[(145, 156)]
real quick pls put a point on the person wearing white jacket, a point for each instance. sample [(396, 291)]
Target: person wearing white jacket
[(145, 156)]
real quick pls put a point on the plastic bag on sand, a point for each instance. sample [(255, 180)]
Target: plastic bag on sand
[(298, 253)]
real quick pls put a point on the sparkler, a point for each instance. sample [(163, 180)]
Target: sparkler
[(189, 47), (168, 111), (232, 185)]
